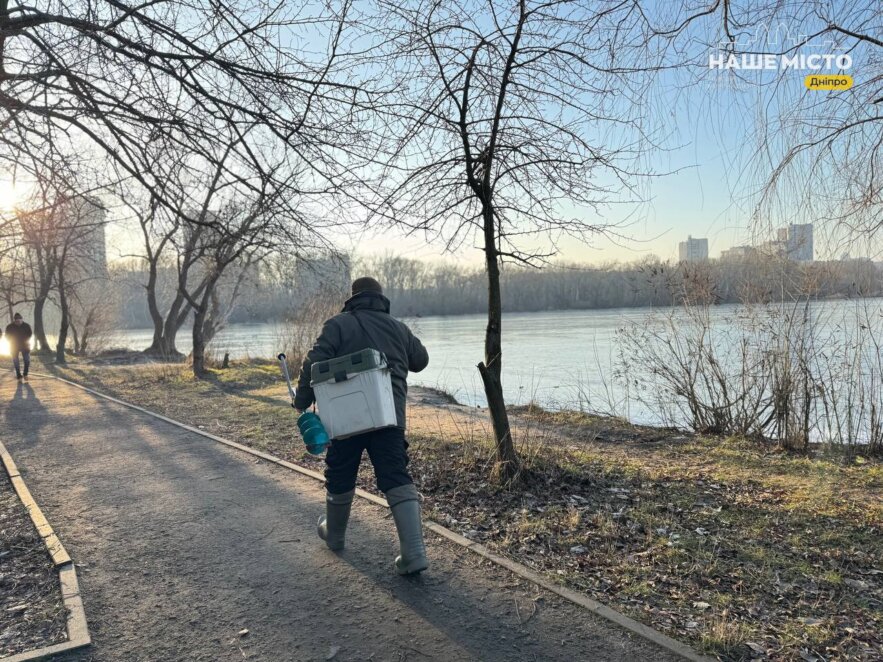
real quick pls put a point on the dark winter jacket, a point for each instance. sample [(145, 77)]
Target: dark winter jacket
[(342, 335), (19, 337)]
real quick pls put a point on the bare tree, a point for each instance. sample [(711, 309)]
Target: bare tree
[(514, 126), (13, 274), (172, 244), (61, 238), (79, 258), (118, 79), (237, 226), (93, 313), (815, 156), (39, 235)]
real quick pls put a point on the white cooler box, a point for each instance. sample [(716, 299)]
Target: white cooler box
[(354, 393)]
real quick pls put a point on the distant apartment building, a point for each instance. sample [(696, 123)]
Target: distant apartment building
[(693, 250), (793, 243), (86, 225), (738, 253), (773, 248), (799, 242)]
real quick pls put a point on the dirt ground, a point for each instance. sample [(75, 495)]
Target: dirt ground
[(32, 614), (189, 550)]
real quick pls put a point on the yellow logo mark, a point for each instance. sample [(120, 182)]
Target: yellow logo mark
[(816, 82)]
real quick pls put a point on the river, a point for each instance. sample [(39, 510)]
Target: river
[(548, 357), (559, 359)]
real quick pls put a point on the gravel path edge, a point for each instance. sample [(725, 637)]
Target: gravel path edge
[(77, 626)]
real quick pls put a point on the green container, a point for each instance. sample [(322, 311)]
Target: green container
[(337, 370)]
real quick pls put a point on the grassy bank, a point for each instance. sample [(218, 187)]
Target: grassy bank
[(741, 550)]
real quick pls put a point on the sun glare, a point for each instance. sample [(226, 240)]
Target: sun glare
[(11, 194), (4, 347)]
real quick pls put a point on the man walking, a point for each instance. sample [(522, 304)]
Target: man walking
[(18, 335), (365, 323)]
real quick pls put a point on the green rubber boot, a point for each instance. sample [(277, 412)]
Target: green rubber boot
[(332, 525), (405, 505)]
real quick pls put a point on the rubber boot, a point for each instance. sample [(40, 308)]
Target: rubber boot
[(405, 505), (332, 525)]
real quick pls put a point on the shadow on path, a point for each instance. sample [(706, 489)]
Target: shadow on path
[(183, 543)]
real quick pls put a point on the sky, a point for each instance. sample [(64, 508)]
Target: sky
[(695, 201), (697, 198), (711, 130), (714, 129)]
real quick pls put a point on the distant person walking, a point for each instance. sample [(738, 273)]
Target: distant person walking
[(18, 335), (365, 323)]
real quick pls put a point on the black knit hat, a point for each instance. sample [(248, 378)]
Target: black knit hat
[(366, 284), (17, 316)]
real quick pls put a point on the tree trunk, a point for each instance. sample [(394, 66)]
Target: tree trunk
[(83, 345), (203, 326), (75, 336), (199, 341), (165, 332), (39, 327), (153, 308), (65, 322), (507, 465)]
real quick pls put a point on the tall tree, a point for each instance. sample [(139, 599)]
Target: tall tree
[(237, 225), (60, 235), (79, 257), (512, 124)]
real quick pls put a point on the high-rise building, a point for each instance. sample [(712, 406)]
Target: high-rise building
[(799, 245), (693, 250), (86, 225)]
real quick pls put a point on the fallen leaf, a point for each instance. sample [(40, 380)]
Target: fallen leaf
[(701, 605), (243, 632), (332, 652), (811, 621), (856, 584)]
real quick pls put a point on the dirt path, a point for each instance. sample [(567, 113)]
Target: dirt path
[(182, 543)]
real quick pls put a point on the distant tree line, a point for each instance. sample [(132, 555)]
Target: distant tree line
[(277, 291), (422, 289)]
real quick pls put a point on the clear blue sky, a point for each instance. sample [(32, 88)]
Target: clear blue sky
[(716, 122), (713, 121)]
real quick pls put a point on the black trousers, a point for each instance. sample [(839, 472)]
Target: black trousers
[(26, 355), (388, 451)]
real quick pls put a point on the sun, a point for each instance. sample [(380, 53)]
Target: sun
[(11, 194)]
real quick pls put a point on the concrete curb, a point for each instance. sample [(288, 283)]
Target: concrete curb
[(603, 611), (77, 627)]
